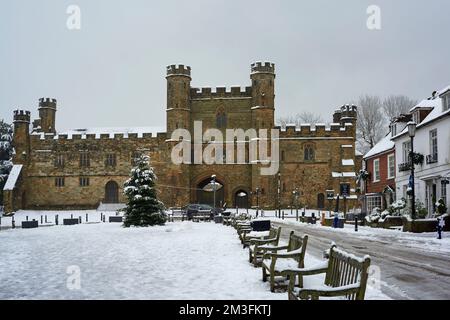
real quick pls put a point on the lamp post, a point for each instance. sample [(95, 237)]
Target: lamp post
[(296, 194), (279, 193), (214, 188), (257, 201), (412, 132)]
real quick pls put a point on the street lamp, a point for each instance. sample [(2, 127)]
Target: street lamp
[(412, 132), (257, 201), (214, 188), (296, 193), (279, 193)]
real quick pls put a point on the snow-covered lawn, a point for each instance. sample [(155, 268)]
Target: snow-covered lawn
[(181, 260)]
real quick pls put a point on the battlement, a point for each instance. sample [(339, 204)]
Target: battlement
[(263, 67), (319, 130), (221, 92), (22, 116), (38, 136), (349, 108), (177, 70), (47, 103)]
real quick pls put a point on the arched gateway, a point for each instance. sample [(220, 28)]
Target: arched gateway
[(205, 193)]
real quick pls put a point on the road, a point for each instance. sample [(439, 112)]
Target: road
[(405, 273)]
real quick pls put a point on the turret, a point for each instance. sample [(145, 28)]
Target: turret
[(21, 138), (349, 114), (178, 97), (47, 112), (263, 94)]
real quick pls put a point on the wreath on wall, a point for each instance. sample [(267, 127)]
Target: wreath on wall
[(417, 158)]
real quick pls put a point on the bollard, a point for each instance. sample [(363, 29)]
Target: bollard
[(56, 219), (296, 216), (356, 224), (13, 222), (103, 218), (46, 221), (71, 216), (87, 218), (42, 219), (283, 215), (27, 218)]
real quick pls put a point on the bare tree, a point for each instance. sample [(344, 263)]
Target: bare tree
[(393, 105), (299, 118), (371, 125)]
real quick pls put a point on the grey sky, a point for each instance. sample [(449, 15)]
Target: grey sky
[(111, 72)]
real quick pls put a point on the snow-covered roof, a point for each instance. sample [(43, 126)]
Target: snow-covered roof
[(12, 178), (112, 131), (438, 111), (385, 144)]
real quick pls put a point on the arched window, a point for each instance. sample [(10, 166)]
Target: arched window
[(221, 118), (309, 153)]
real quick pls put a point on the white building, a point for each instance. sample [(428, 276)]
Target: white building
[(432, 140)]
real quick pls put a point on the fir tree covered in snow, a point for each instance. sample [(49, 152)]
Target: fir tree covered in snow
[(6, 151), (143, 208)]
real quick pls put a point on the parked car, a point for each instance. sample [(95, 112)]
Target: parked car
[(191, 209)]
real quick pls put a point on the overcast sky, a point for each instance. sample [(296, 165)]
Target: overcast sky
[(112, 71)]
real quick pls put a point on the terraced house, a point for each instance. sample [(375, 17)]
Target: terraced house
[(83, 168)]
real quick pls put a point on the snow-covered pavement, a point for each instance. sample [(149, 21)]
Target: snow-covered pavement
[(181, 260)]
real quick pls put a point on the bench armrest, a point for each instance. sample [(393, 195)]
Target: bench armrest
[(258, 241), (316, 269), (285, 255), (329, 292)]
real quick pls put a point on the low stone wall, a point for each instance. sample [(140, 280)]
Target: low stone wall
[(419, 226)]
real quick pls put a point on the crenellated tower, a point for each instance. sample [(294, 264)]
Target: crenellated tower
[(178, 97), (47, 113), (263, 94), (21, 138), (347, 114)]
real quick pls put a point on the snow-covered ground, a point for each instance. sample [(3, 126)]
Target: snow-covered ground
[(182, 260)]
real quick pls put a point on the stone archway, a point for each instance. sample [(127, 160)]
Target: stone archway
[(207, 197), (112, 192), (241, 199)]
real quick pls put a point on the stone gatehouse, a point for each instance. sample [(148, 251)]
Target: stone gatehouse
[(82, 168)]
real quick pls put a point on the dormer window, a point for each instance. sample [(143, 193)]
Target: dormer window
[(393, 130), (446, 101), (416, 117)]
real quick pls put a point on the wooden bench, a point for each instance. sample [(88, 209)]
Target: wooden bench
[(345, 275), (255, 254), (202, 215), (277, 260)]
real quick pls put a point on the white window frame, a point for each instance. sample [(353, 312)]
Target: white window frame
[(446, 102), (376, 161), (372, 202), (416, 117), (444, 193), (391, 156), (406, 151), (433, 137), (393, 129)]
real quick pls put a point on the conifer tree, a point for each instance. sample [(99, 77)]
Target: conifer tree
[(6, 152), (143, 208)]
